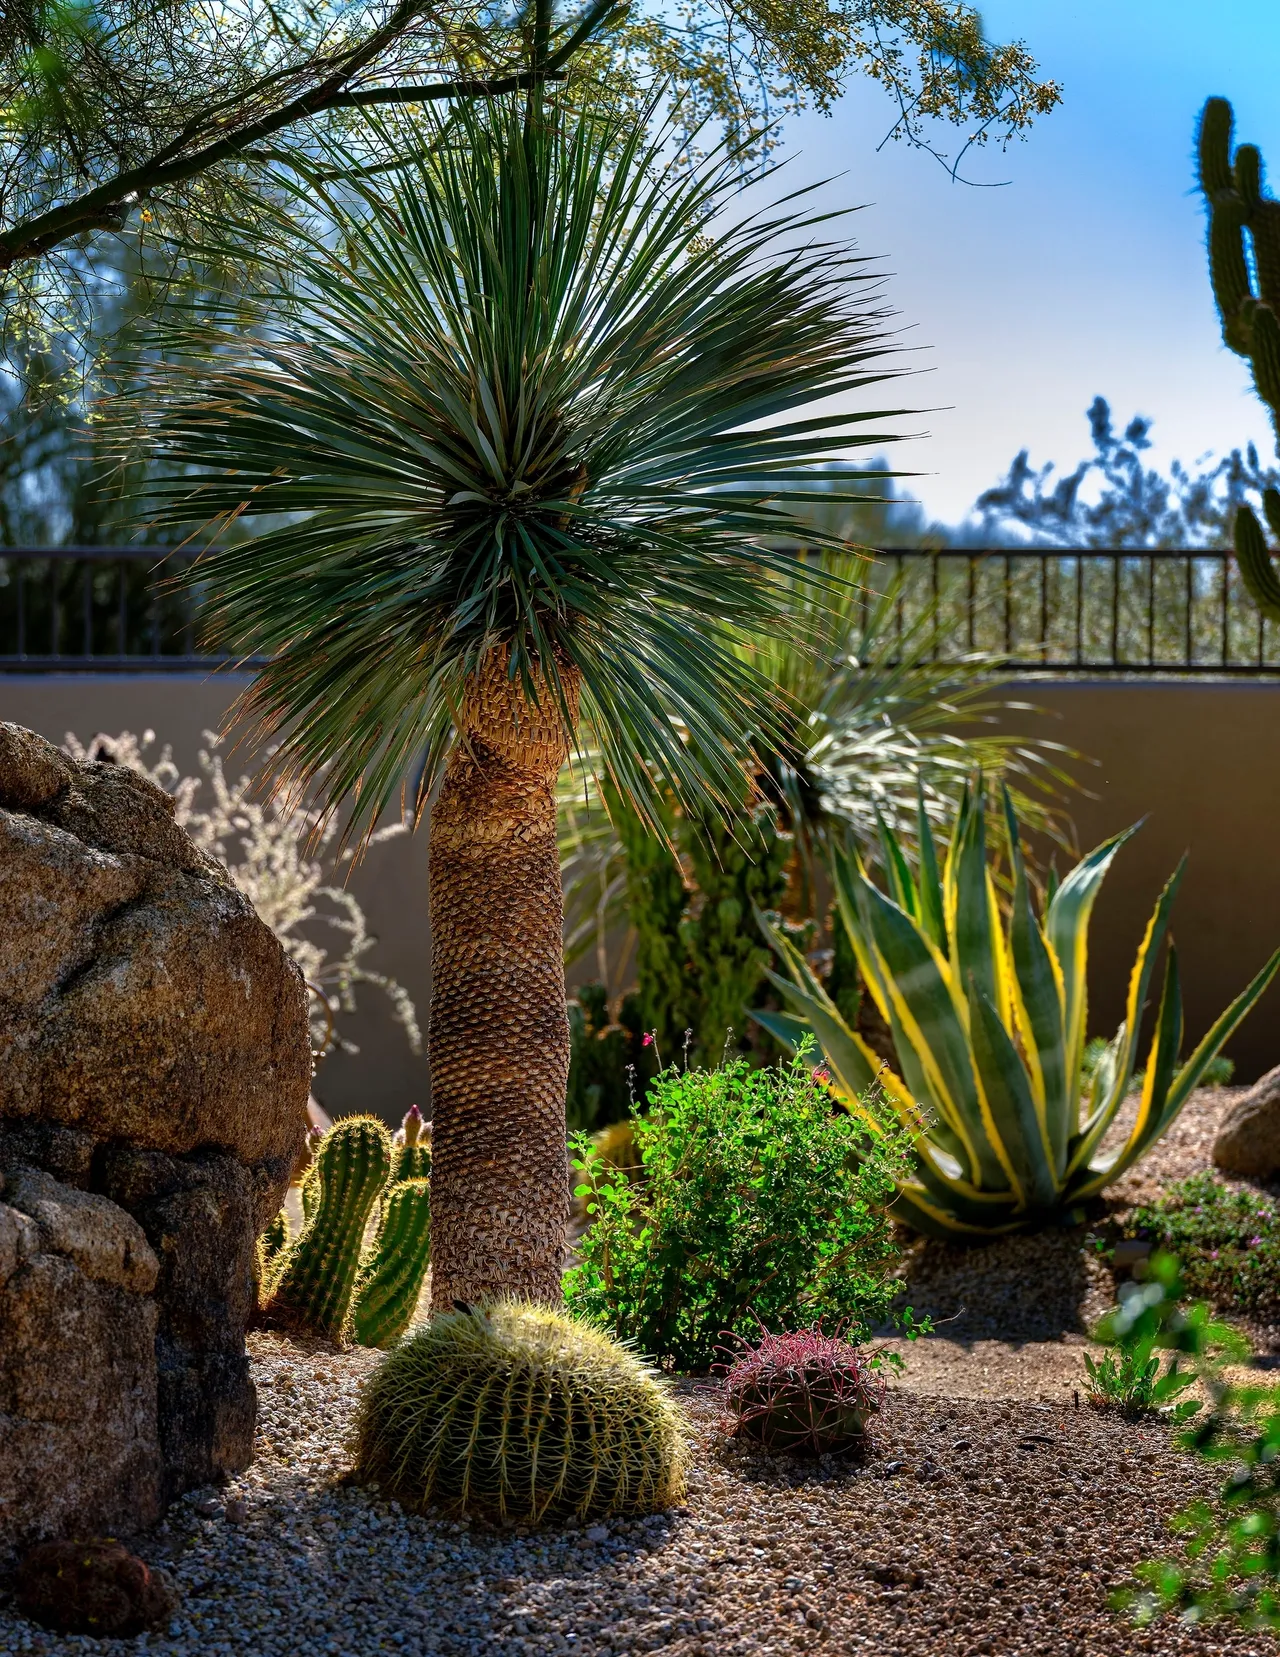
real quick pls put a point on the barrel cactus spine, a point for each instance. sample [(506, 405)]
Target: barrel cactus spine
[(516, 1413), (1237, 202), (316, 1277)]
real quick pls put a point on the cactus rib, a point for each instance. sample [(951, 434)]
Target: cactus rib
[(391, 1281)]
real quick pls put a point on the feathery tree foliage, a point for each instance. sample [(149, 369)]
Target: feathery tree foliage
[(522, 420), (121, 116)]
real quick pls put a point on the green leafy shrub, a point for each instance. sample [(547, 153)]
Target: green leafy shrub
[(1227, 1241), (516, 1413), (756, 1201)]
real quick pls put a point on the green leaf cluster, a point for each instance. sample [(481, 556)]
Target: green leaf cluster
[(756, 1202), (1231, 1562), (989, 1019), (1227, 1241)]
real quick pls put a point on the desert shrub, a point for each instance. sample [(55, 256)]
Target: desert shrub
[(757, 1200), (1228, 1243)]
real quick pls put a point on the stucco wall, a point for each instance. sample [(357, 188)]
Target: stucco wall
[(1200, 760)]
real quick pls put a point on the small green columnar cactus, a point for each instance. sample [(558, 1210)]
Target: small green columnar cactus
[(1237, 202), (411, 1154), (271, 1246), (313, 1284), (520, 1414), (391, 1279)]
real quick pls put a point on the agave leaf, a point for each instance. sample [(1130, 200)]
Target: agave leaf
[(854, 1067), (928, 1020), (953, 1219), (1014, 1123), (1217, 1037), (902, 886), (1037, 996), (1160, 1068), (932, 908), (1067, 933)]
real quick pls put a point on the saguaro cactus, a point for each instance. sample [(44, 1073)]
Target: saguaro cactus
[(1249, 304)]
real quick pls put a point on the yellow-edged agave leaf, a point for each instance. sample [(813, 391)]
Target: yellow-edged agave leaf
[(945, 1222), (1161, 1065), (897, 871), (1036, 988), (1067, 929), (977, 946), (855, 1069), (924, 1016), (1164, 1093), (932, 916), (1014, 1122), (1112, 1078), (993, 1069)]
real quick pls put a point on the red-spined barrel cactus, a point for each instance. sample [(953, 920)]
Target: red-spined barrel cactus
[(806, 1393)]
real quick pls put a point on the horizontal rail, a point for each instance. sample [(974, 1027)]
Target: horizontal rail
[(1091, 610)]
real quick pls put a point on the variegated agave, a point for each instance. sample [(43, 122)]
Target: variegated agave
[(989, 1024)]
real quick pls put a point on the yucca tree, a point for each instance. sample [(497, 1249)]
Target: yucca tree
[(519, 435)]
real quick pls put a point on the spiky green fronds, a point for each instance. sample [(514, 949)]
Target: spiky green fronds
[(411, 1148), (519, 1414), (313, 1285), (528, 389), (392, 1278), (989, 1022)]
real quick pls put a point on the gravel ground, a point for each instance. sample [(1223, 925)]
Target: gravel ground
[(976, 1526), (991, 1520)]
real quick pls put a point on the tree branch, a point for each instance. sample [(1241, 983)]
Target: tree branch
[(109, 205)]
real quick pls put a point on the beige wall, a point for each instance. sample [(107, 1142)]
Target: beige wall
[(385, 1077), (1200, 760)]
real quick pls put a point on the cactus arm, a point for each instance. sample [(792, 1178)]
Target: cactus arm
[(1213, 146), (392, 1279), (1256, 567), (316, 1277)]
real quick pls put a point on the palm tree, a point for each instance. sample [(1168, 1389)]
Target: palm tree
[(520, 434)]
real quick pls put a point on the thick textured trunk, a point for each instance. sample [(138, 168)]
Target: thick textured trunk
[(499, 1036)]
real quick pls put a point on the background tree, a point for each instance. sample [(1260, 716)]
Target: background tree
[(120, 116)]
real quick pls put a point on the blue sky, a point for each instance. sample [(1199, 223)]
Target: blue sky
[(1085, 273)]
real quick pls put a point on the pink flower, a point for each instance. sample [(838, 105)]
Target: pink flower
[(648, 1039), (820, 1075)]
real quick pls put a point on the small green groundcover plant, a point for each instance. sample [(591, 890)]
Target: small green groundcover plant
[(1231, 1560), (1228, 1242), (757, 1200)]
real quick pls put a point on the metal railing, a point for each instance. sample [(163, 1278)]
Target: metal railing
[(1087, 611), (98, 609), (1093, 611)]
